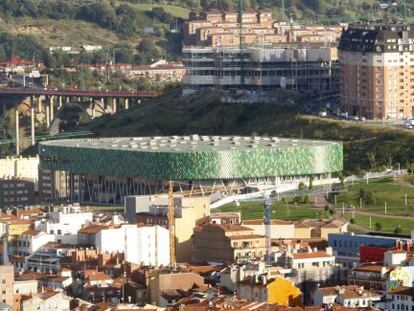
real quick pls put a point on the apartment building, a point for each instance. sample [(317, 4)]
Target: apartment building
[(377, 70), (6, 284), (294, 67), (223, 29), (16, 192), (153, 210), (227, 243)]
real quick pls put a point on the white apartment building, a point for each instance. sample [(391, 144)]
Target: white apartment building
[(401, 299), (47, 301), (19, 167), (148, 245), (64, 225), (31, 240), (313, 259), (351, 296)]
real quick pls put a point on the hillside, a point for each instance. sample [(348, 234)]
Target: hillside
[(366, 147)]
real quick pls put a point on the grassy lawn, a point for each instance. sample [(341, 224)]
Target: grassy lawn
[(387, 224), (176, 11), (60, 32), (254, 210), (383, 190)]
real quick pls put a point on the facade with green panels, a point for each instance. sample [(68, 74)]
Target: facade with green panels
[(193, 157)]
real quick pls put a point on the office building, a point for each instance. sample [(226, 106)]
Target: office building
[(293, 67)]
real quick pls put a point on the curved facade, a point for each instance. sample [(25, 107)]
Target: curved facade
[(193, 157)]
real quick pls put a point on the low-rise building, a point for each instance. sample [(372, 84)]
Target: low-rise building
[(64, 225), (49, 300), (227, 243), (400, 299), (350, 296), (319, 229), (273, 291), (369, 275), (346, 247)]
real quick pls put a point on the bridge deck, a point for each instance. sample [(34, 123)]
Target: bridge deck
[(75, 92)]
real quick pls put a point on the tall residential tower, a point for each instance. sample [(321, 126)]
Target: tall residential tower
[(377, 70)]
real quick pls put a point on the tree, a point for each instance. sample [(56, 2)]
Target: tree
[(398, 230), (311, 179), (147, 52), (352, 220), (378, 226)]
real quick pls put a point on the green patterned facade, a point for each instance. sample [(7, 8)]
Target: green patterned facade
[(196, 158)]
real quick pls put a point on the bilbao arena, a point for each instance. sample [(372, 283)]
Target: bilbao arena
[(104, 170)]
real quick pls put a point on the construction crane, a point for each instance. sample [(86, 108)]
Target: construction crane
[(267, 221), (171, 222)]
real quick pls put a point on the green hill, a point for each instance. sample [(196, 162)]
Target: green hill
[(366, 146)]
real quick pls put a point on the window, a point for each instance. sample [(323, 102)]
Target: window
[(3, 281)]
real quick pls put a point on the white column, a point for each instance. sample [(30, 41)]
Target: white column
[(51, 108), (60, 101), (126, 103), (113, 105), (17, 133)]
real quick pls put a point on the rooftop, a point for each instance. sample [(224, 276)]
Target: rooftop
[(311, 255), (186, 143)]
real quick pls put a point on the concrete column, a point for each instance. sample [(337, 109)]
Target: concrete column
[(17, 133), (47, 116), (113, 105), (52, 108), (32, 124), (39, 105), (93, 109), (60, 101), (67, 99), (126, 103)]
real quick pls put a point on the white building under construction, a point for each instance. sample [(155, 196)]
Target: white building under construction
[(294, 67)]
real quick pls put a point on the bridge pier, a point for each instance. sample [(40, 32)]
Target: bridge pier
[(47, 116), (39, 105), (52, 108), (17, 132), (114, 105), (32, 125)]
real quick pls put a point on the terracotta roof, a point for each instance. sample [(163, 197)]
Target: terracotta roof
[(99, 276), (234, 228), (369, 267), (92, 229), (311, 255), (403, 290), (246, 237), (348, 292), (31, 232), (47, 295), (260, 222)]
